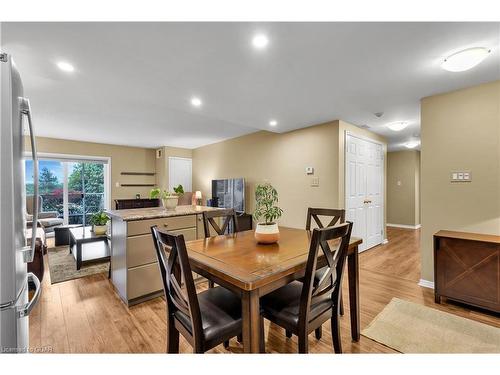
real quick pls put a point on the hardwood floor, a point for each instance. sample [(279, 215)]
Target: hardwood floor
[(86, 316)]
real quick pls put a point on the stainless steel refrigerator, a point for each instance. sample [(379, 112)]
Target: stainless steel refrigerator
[(15, 281)]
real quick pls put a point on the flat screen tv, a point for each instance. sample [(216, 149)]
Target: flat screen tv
[(229, 193)]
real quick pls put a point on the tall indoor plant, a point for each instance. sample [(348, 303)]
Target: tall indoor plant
[(266, 208)]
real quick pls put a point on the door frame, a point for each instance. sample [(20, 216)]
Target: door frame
[(170, 187), (367, 139)]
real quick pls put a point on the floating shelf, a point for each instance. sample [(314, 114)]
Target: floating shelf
[(137, 173), (137, 185)]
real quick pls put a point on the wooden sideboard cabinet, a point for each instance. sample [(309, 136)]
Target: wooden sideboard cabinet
[(467, 268), (124, 204)]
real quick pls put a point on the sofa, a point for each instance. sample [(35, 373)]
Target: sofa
[(47, 220)]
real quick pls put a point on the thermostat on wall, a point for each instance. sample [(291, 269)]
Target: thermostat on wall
[(309, 170)]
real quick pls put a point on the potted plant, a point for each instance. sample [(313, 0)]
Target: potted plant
[(169, 200), (266, 198), (99, 221)]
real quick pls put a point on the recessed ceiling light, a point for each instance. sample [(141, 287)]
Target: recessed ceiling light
[(260, 41), (412, 144), (65, 66), (196, 102), (397, 126), (273, 123), (465, 60)]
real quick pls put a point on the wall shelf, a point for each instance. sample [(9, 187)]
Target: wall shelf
[(137, 173), (137, 185)]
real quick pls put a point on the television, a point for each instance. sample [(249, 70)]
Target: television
[(229, 193)]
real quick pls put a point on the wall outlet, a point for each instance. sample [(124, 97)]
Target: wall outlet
[(315, 181)]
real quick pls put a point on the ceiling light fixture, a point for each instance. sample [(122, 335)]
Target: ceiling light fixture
[(397, 126), (412, 144), (260, 41), (465, 59), (196, 102), (273, 123), (65, 66)]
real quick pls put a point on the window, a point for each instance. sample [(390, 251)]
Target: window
[(74, 189)]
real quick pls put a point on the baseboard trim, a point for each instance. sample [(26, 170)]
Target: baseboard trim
[(426, 283), (404, 226)]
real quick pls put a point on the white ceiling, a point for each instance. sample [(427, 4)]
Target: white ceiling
[(133, 81)]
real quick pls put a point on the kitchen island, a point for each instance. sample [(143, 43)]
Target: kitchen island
[(134, 269)]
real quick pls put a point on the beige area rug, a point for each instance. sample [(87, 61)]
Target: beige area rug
[(62, 266), (411, 328)]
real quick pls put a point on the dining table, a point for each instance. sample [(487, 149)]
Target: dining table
[(251, 270)]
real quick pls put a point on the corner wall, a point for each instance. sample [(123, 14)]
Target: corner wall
[(460, 132), (403, 187)]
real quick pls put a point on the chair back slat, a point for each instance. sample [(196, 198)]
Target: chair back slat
[(229, 216), (335, 261), (337, 215), (175, 272)]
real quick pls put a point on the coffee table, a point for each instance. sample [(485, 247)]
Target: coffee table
[(84, 236)]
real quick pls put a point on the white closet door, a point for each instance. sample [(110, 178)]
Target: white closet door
[(364, 190), (180, 173)]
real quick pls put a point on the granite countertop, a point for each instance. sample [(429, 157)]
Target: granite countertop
[(157, 212)]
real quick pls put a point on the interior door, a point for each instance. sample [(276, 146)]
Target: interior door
[(180, 173), (364, 189)]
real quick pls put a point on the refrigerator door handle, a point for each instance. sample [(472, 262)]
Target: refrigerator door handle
[(25, 108), (25, 310)]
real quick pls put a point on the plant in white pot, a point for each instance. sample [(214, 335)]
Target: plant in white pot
[(99, 222), (169, 200), (266, 197)]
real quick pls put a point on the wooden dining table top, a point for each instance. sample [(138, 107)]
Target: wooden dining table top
[(241, 261)]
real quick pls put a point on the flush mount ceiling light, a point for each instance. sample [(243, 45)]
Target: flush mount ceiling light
[(465, 59), (260, 41), (273, 123), (397, 126), (412, 144), (196, 102), (65, 66)]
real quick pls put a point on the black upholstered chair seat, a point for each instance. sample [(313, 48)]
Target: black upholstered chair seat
[(283, 305), (220, 314)]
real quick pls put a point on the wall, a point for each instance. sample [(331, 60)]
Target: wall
[(123, 159), (162, 163), (280, 159), (403, 206), (460, 131)]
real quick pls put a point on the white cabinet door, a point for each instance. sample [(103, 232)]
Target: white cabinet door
[(180, 173), (364, 189)]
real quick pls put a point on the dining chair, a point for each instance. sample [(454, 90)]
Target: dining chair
[(337, 217), (302, 307), (209, 217), (207, 319)]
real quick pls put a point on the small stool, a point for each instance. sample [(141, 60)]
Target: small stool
[(61, 234)]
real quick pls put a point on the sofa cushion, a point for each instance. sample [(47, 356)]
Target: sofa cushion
[(52, 222)]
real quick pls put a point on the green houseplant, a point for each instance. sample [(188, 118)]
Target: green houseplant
[(169, 200), (266, 213), (99, 221)]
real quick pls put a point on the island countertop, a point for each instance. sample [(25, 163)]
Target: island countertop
[(157, 212)]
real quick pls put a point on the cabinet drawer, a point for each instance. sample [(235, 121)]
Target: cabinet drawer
[(138, 227), (143, 280), (140, 249)]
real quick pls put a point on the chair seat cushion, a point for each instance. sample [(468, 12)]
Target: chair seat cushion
[(220, 314), (52, 222), (283, 304)]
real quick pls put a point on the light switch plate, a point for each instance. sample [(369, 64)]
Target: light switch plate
[(461, 176), (315, 181), (309, 170)]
